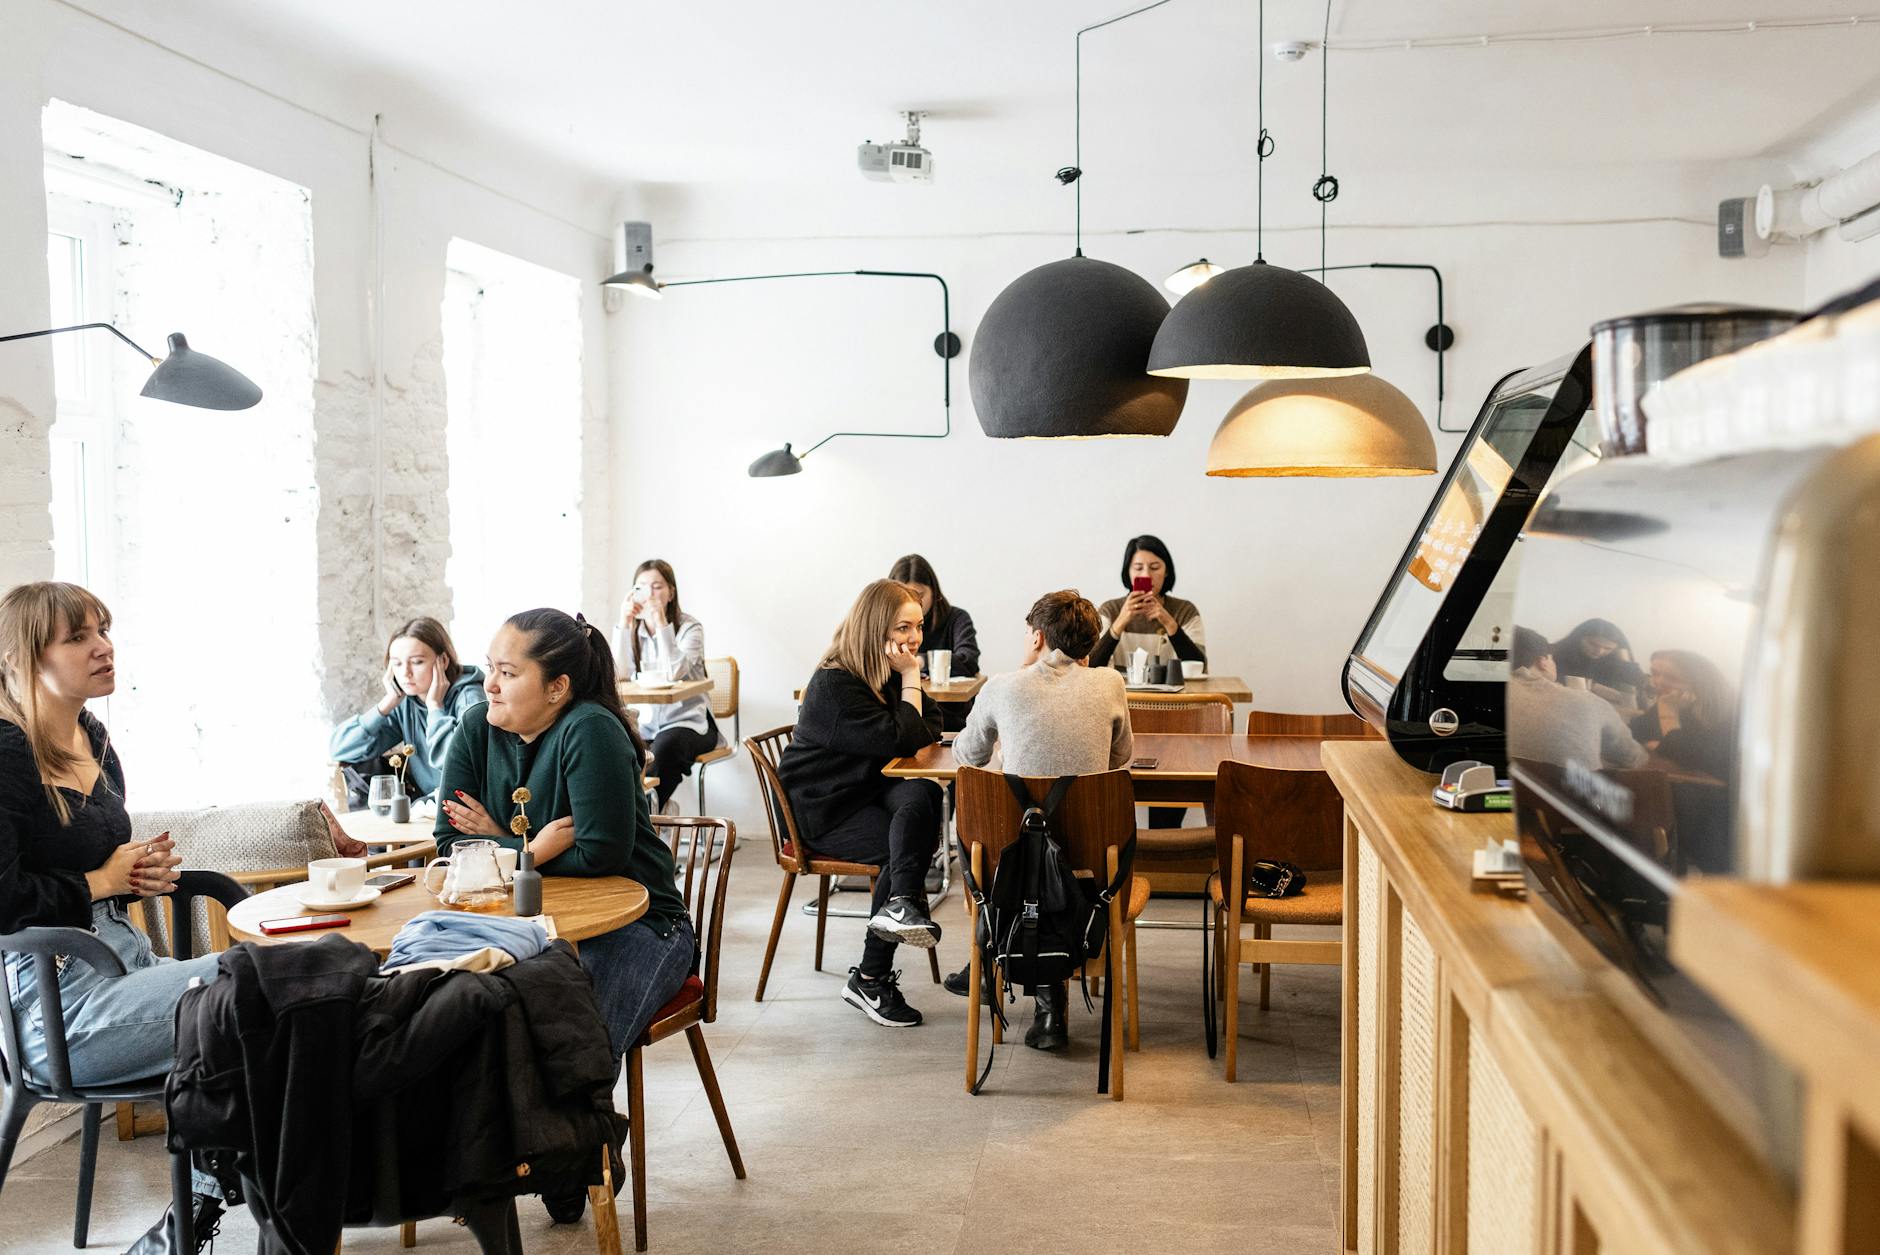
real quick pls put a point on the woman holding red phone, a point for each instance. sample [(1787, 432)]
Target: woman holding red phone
[(1167, 628), (67, 858)]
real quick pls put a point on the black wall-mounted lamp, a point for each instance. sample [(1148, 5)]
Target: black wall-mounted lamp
[(185, 377), (784, 461)]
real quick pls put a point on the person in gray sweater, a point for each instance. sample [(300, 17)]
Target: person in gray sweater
[(1054, 716), (1559, 725)]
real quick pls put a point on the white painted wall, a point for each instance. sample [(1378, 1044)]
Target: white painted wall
[(1833, 265), (1285, 571), (308, 125)]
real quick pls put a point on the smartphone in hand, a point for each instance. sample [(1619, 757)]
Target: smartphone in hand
[(1141, 584)]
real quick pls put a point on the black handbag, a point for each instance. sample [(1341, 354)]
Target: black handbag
[(1266, 879)]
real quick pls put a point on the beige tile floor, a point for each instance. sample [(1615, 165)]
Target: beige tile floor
[(859, 1138)]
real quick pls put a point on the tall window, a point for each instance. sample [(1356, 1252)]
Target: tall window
[(195, 526), (512, 380)]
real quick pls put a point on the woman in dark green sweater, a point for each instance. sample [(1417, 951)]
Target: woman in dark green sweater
[(554, 725)]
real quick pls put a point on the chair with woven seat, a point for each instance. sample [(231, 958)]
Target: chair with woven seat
[(81, 945), (1322, 727), (1282, 816), (692, 841), (724, 703), (1094, 821), (1149, 713), (793, 855)]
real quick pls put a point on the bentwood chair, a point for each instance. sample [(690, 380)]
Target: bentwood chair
[(724, 702), (81, 945), (1148, 713), (1094, 821), (1290, 816), (794, 858), (691, 840)]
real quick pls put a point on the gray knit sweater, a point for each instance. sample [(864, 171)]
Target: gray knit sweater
[(1054, 718)]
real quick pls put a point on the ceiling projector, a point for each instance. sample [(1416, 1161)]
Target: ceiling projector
[(905, 162)]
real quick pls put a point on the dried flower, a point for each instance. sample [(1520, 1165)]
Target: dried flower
[(396, 760), (519, 825), (522, 796)]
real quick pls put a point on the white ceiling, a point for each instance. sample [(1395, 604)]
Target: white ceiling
[(720, 89)]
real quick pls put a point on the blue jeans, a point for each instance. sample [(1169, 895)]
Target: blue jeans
[(636, 972), (117, 1028)]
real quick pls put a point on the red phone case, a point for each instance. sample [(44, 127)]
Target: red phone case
[(1142, 584), (303, 923)]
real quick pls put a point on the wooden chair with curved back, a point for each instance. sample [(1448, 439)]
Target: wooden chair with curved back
[(1094, 822), (793, 856), (724, 704), (691, 840), (1152, 713), (1325, 727), (1289, 816)]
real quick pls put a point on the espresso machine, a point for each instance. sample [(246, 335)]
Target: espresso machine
[(1695, 669)]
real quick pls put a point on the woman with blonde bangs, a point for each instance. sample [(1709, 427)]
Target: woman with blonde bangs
[(67, 858), (863, 707)]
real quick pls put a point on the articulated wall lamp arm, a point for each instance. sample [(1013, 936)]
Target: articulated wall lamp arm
[(185, 377), (785, 462), (1439, 337)]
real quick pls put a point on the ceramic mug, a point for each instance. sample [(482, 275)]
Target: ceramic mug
[(1193, 668), (506, 862), (336, 879)]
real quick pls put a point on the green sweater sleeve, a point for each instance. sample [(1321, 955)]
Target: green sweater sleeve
[(463, 772), (602, 771)]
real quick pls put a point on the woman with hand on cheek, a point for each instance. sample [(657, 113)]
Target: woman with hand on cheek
[(863, 707), (655, 638), (554, 725), (426, 690), (67, 858)]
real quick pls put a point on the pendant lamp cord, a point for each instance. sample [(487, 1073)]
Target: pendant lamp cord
[(1325, 191), (1263, 148), (1074, 172)]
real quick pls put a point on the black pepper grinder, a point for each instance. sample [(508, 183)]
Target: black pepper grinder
[(527, 887)]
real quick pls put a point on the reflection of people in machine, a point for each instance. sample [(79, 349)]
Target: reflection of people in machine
[(1597, 653), (1688, 720), (1561, 725)]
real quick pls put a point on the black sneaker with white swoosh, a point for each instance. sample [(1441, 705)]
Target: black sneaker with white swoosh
[(905, 921), (880, 999)]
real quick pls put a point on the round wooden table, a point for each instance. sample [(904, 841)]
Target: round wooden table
[(581, 906)]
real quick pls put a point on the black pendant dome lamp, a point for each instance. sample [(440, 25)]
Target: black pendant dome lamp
[(1061, 352), (1260, 321)]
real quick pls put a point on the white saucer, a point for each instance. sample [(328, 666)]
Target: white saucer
[(655, 684), (304, 892)]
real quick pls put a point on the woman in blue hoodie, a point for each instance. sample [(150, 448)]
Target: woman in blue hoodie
[(427, 690)]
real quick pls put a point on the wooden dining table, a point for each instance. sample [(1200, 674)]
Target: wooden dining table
[(962, 688), (633, 693), (580, 906), (1204, 688)]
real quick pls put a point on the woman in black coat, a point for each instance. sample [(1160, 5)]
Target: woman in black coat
[(863, 707)]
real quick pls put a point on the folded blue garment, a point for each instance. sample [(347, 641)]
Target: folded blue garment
[(451, 934)]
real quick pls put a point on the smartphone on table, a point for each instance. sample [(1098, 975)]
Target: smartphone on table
[(303, 923), (1143, 764), (387, 881)]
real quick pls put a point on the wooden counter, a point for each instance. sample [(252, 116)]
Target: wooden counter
[(1799, 966), (1494, 1101)]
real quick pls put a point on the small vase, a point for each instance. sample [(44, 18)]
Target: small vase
[(400, 812), (527, 886)]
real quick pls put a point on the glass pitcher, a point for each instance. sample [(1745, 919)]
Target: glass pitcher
[(472, 878)]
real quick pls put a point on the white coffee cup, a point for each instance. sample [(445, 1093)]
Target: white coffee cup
[(506, 862), (1577, 682), (1193, 668), (940, 666), (336, 879)]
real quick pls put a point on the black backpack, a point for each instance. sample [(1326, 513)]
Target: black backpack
[(1040, 922)]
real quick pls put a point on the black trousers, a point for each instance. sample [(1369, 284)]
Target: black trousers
[(1167, 816), (675, 750), (900, 831)]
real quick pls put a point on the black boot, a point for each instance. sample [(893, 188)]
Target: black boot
[(206, 1211), (1048, 1030), (959, 982), (565, 1208)]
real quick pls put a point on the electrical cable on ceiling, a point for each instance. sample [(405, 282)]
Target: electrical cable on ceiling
[(1605, 34)]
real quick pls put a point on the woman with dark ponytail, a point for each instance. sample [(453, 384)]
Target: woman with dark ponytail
[(554, 725)]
